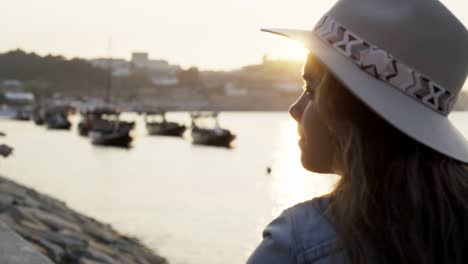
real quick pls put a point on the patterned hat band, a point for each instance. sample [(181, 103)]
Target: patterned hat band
[(385, 67)]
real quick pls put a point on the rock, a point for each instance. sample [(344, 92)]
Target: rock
[(54, 222), (13, 190), (99, 233), (88, 261), (65, 241), (54, 252), (31, 202), (64, 235), (95, 255), (15, 250), (102, 248), (33, 225), (5, 201)]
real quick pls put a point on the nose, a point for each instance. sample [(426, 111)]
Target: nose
[(297, 108)]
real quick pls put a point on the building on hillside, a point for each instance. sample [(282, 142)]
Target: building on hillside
[(19, 97), (120, 67), (164, 80), (158, 65), (160, 72), (140, 60), (231, 89)]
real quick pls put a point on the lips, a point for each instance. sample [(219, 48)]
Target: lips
[(300, 132), (301, 142)]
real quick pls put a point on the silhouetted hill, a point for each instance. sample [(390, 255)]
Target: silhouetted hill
[(51, 73)]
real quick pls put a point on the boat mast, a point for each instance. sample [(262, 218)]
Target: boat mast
[(109, 71)]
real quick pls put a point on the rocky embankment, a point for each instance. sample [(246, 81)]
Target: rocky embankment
[(64, 235)]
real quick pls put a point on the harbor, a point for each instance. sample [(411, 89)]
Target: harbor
[(186, 178), (184, 201), (175, 132), (159, 164)]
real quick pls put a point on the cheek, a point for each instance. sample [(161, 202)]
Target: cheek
[(313, 127), (317, 152)]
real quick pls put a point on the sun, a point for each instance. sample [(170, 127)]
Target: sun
[(284, 48)]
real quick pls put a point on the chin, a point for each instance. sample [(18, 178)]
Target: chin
[(315, 165)]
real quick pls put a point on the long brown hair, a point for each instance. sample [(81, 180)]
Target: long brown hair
[(397, 201)]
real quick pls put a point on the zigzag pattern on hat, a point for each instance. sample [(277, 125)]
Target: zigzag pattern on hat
[(384, 66)]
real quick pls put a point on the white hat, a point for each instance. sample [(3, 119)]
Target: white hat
[(406, 59)]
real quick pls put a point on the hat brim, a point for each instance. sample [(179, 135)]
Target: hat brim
[(403, 112)]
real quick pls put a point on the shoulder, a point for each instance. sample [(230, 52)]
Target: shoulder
[(301, 234), (312, 231)]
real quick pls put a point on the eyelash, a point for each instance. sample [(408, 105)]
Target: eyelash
[(309, 92)]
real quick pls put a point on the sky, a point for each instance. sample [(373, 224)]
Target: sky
[(210, 34)]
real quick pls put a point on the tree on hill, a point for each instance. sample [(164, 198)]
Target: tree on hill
[(57, 73), (190, 77), (50, 74)]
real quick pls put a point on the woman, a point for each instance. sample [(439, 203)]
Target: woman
[(380, 82)]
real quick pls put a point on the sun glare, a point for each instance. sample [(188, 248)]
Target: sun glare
[(283, 48)]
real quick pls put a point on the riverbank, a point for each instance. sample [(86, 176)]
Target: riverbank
[(64, 235)]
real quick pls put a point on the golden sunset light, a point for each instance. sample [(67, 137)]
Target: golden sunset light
[(220, 131), (283, 48)]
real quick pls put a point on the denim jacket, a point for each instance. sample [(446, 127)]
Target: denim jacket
[(301, 234)]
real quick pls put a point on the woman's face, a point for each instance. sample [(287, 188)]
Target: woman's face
[(315, 138)]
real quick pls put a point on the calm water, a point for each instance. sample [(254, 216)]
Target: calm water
[(193, 204)]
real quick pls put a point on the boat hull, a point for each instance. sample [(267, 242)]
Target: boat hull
[(211, 138), (160, 129), (83, 129), (57, 121), (116, 138), (85, 126), (62, 126), (39, 121)]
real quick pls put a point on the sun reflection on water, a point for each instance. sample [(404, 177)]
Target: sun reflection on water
[(291, 183)]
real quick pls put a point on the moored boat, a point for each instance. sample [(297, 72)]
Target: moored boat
[(157, 124), (22, 114), (57, 118), (38, 115), (93, 117), (216, 136), (118, 136), (98, 118), (108, 130)]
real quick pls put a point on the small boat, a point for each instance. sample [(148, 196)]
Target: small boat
[(216, 136), (84, 126), (22, 114), (57, 118), (38, 120), (118, 136), (162, 126), (93, 117), (97, 119), (38, 115), (5, 150), (108, 130)]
